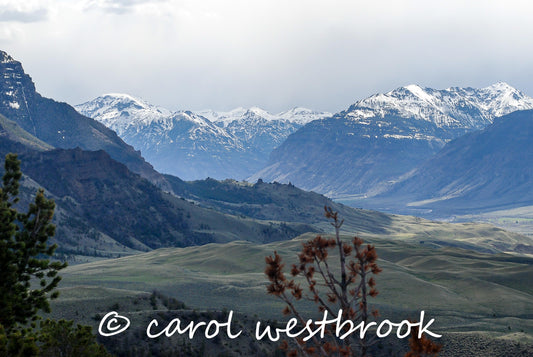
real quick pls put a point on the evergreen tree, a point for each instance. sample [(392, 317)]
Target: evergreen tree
[(28, 277)]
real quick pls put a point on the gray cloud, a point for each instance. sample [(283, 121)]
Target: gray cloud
[(26, 16)]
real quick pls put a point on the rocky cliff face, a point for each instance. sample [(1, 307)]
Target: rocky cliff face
[(16, 91)]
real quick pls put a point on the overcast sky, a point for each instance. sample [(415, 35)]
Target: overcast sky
[(222, 54)]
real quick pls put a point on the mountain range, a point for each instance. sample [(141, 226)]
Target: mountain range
[(196, 145), (361, 155), (105, 210), (364, 150)]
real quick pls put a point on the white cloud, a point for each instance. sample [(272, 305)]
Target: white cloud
[(192, 54)]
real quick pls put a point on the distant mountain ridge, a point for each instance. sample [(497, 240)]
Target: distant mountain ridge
[(201, 144), (261, 130), (365, 149)]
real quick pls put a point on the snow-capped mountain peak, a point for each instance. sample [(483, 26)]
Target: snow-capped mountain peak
[(260, 112), (501, 98), (119, 111), (419, 92), (501, 86), (451, 107), (125, 99)]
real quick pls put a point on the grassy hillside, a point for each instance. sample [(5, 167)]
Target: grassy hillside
[(474, 297), (518, 220), (464, 289)]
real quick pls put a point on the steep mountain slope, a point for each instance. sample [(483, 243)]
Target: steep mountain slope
[(58, 124), (189, 146), (197, 145), (11, 131), (371, 145), (483, 170)]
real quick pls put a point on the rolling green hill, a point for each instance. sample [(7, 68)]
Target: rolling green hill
[(275, 201), (109, 199), (231, 276), (473, 296)]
